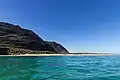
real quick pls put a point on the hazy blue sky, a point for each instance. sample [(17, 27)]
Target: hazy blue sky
[(79, 25)]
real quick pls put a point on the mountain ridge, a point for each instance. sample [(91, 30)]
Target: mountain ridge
[(16, 37)]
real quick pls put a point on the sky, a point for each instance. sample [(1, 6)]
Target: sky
[(79, 25)]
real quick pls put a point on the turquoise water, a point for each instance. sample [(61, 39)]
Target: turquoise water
[(60, 68)]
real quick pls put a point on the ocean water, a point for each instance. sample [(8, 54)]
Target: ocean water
[(60, 68)]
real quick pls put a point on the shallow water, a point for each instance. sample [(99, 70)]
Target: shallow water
[(60, 68)]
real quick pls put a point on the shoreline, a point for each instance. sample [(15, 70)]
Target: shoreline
[(26, 52), (103, 54)]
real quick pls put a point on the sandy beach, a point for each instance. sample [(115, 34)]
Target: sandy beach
[(103, 54)]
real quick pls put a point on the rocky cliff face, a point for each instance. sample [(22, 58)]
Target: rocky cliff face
[(16, 37), (57, 47)]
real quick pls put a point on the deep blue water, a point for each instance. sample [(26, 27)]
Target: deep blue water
[(60, 68)]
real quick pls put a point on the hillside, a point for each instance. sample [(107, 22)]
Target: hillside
[(14, 36)]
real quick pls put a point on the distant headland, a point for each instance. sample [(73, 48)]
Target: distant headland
[(15, 40)]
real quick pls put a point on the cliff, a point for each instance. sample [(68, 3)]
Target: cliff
[(14, 36)]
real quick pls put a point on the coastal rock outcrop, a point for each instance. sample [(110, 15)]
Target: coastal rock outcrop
[(16, 37)]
